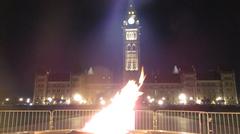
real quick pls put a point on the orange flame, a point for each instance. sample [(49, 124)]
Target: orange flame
[(118, 117)]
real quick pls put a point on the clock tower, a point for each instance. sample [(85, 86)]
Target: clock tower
[(131, 49)]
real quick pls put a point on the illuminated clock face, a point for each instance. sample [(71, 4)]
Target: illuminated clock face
[(131, 20)]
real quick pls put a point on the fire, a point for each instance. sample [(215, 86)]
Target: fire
[(118, 117)]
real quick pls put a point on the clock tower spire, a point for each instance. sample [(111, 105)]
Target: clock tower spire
[(131, 39)]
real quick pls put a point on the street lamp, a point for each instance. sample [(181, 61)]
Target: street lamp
[(198, 101), (20, 99), (182, 98), (68, 101), (7, 99), (218, 98), (160, 102), (102, 101), (150, 99), (77, 97), (28, 100), (49, 99)]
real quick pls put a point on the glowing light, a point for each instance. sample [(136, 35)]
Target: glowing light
[(28, 100), (20, 99), (84, 102), (131, 20), (163, 98), (77, 97), (7, 99), (160, 102), (198, 101), (182, 98), (102, 102), (68, 101), (49, 99), (151, 100), (120, 111), (190, 98), (218, 98)]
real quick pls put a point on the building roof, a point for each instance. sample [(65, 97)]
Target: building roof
[(187, 69), (210, 75), (162, 78), (59, 77)]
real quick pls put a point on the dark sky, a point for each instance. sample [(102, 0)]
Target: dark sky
[(75, 34)]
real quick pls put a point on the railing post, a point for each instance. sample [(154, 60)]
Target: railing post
[(200, 122), (155, 120), (51, 120), (209, 120)]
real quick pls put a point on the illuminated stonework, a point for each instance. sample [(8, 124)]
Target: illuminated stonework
[(131, 32)]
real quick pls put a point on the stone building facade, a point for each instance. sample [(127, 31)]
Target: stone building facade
[(98, 82)]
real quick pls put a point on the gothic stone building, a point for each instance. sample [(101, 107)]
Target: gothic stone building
[(97, 82)]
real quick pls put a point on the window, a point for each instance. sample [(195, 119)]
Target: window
[(134, 47), (129, 47), (131, 35), (134, 66), (41, 79)]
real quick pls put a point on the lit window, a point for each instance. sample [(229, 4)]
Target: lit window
[(134, 66), (131, 35)]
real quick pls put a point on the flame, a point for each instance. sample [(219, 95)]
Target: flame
[(119, 116)]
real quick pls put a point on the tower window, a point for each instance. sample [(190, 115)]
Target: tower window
[(131, 35), (133, 47), (129, 47)]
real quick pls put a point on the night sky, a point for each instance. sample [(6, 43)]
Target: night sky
[(69, 35)]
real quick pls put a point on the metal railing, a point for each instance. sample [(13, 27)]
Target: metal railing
[(24, 120), (71, 119), (224, 123), (194, 122), (180, 121)]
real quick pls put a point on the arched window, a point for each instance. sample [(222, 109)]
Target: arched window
[(129, 47), (134, 47)]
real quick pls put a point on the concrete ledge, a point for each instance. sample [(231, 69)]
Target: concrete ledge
[(81, 132)]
